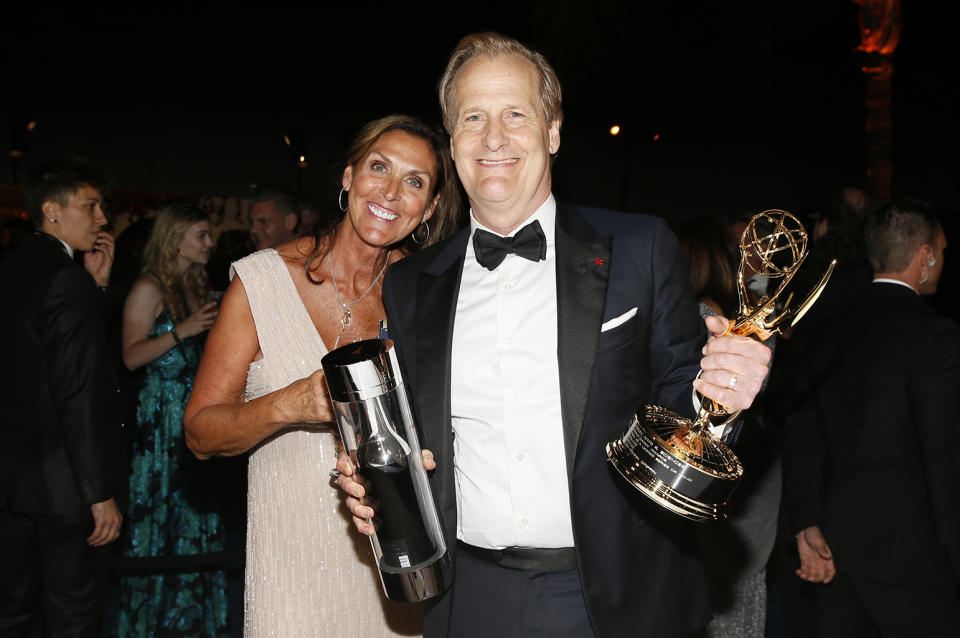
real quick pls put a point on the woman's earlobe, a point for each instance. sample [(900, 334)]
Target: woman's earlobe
[(433, 206)]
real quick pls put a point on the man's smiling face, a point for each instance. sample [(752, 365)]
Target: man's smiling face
[(501, 141)]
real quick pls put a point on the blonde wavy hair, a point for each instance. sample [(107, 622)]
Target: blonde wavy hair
[(160, 259)]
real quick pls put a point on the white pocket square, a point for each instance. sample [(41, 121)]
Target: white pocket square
[(616, 321)]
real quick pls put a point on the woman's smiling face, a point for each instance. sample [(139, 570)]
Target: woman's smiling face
[(391, 189)]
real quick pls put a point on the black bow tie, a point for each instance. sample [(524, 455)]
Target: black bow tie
[(529, 243)]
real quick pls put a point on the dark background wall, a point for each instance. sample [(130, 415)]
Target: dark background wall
[(754, 104)]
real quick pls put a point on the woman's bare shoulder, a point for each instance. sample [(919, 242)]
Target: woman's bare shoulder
[(295, 254), (147, 286), (145, 297), (296, 251)]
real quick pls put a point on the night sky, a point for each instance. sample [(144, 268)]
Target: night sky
[(755, 104)]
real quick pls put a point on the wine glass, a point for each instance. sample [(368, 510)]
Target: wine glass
[(350, 336)]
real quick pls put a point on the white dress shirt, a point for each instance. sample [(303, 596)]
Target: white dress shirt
[(509, 460), (66, 246)]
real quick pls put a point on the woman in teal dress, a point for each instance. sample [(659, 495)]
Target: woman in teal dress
[(174, 586)]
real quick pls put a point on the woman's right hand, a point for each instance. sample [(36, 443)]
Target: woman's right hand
[(199, 322), (306, 401), (218, 420)]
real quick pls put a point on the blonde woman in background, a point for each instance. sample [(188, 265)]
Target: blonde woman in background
[(170, 527)]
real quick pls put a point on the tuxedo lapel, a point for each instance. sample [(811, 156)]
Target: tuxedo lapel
[(583, 267), (437, 290)]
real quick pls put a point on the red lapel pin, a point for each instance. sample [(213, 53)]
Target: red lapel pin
[(598, 261)]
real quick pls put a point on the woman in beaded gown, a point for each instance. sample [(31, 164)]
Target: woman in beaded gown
[(170, 590), (260, 386)]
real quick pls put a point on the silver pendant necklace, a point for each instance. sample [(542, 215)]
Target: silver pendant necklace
[(346, 318)]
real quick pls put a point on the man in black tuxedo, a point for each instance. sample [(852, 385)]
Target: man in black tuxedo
[(528, 341), (870, 453), (61, 464)]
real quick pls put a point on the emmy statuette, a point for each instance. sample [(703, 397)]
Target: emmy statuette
[(679, 463)]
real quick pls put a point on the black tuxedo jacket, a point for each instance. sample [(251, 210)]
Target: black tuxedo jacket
[(59, 405), (870, 452), (636, 569)]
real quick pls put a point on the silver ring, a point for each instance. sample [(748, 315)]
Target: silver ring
[(334, 474), (732, 383)]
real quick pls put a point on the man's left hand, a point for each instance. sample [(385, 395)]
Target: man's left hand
[(734, 367), (99, 261), (816, 559)]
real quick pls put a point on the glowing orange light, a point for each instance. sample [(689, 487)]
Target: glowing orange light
[(615, 130), (656, 137), (32, 124), (286, 140)]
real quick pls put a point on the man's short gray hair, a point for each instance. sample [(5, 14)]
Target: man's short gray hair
[(493, 45), (285, 200), (895, 231)]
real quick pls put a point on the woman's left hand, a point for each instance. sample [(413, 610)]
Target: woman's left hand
[(355, 486)]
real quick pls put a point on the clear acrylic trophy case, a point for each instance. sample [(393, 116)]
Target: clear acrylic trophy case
[(379, 433)]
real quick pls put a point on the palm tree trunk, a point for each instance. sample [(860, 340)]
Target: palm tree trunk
[(879, 35)]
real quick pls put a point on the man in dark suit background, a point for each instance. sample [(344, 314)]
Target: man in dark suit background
[(61, 464), (524, 362), (871, 452)]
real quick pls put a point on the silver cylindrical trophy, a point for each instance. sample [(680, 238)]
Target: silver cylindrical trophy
[(379, 433)]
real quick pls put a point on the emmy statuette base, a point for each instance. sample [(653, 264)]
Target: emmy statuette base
[(691, 474)]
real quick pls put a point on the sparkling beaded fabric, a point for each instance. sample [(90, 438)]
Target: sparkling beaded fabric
[(309, 573)]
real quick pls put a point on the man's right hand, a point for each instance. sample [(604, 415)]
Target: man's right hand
[(816, 559), (107, 520)]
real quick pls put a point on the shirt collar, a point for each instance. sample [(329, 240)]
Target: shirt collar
[(885, 280), (546, 215), (66, 247)]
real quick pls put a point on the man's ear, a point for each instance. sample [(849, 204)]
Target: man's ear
[(554, 133), (51, 211), (925, 256)]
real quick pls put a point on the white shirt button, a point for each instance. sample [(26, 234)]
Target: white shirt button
[(520, 458)]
